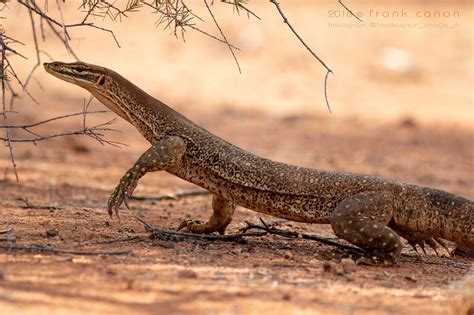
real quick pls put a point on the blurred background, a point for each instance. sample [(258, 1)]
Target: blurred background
[(406, 59)]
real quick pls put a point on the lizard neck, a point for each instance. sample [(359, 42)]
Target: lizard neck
[(152, 118)]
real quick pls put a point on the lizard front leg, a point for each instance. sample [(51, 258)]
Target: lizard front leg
[(162, 155), (362, 220), (223, 210)]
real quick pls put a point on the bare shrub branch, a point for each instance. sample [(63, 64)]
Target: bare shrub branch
[(328, 70), (222, 34), (349, 10)]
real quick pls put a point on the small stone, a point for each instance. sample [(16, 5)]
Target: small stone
[(329, 266), (52, 233), (387, 285), (348, 265), (236, 250), (408, 122), (410, 278), (211, 247), (286, 297), (187, 274), (288, 255), (129, 284)]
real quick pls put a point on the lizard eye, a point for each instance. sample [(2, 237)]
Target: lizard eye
[(79, 70)]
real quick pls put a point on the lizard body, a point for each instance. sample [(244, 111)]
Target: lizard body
[(368, 211)]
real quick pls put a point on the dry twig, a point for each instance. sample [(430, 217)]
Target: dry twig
[(294, 234), (167, 234), (349, 10), (328, 70), (6, 230), (239, 237), (222, 34)]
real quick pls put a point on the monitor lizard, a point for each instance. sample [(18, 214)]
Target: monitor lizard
[(368, 211)]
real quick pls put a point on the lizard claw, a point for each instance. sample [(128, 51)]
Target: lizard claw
[(431, 243), (443, 244), (413, 245), (115, 201), (126, 197), (422, 246), (122, 193), (187, 224)]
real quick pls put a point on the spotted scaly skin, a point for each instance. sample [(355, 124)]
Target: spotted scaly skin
[(370, 212)]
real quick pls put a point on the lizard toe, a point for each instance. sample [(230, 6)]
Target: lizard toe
[(431, 243), (197, 227), (443, 244), (115, 200), (187, 224)]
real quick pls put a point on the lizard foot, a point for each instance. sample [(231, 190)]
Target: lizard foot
[(419, 239), (122, 193), (431, 242), (196, 226), (223, 210)]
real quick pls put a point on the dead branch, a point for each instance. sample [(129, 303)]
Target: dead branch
[(51, 249), (62, 24), (174, 195), (167, 234), (293, 234), (28, 205), (222, 34), (94, 132), (42, 122), (239, 237), (349, 10), (238, 5), (181, 20), (3, 67), (7, 238), (328, 70), (6, 230)]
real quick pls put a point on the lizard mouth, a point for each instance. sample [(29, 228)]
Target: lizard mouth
[(78, 72)]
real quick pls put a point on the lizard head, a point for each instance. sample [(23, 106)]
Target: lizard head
[(83, 74), (105, 84)]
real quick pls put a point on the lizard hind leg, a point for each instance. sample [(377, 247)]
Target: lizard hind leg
[(362, 220), (223, 210)]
